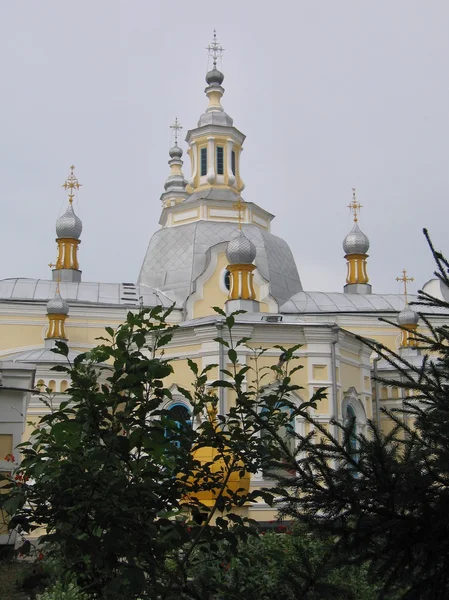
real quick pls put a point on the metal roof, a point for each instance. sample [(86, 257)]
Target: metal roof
[(126, 294), (320, 302), (176, 256)]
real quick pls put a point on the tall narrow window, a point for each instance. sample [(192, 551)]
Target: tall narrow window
[(220, 160), (233, 162), (203, 161)]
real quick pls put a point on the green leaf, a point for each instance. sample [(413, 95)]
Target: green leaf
[(232, 354), (66, 430), (193, 366), (220, 340), (218, 310)]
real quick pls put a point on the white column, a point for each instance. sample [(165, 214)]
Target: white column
[(210, 160), (231, 176)]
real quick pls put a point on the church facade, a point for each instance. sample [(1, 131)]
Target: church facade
[(214, 248)]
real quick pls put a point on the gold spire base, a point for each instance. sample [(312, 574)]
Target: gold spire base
[(56, 330), (67, 253), (241, 282), (356, 268), (408, 336)]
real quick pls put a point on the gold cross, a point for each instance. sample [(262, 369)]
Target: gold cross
[(71, 183), (51, 265), (405, 280), (239, 205), (354, 206)]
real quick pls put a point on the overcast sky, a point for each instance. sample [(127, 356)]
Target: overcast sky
[(332, 94)]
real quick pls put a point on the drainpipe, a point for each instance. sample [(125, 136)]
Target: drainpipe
[(376, 389), (334, 375), (221, 407)]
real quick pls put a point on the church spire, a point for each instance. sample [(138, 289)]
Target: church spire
[(356, 246), (68, 231), (175, 186), (215, 145)]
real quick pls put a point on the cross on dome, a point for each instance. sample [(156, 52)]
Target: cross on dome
[(176, 128), (354, 206), (405, 280), (215, 49), (71, 183), (239, 205)]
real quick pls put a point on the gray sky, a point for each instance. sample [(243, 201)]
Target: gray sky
[(331, 94)]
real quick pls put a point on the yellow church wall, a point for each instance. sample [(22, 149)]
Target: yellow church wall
[(349, 376), (212, 292), (19, 336), (182, 375)]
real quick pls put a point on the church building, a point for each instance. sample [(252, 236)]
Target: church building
[(214, 247)]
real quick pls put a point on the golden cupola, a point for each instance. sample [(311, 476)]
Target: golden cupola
[(407, 318), (241, 253), (221, 468), (215, 145), (356, 246), (57, 313), (68, 232)]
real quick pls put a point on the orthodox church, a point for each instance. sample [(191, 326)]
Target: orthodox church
[(214, 248)]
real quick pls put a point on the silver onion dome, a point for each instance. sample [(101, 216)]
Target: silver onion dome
[(69, 225), (214, 77), (241, 250), (356, 242), (175, 151), (57, 306), (407, 316)]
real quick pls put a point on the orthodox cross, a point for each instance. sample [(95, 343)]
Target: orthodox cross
[(215, 50), (240, 206), (71, 184), (176, 128), (405, 280), (354, 206)]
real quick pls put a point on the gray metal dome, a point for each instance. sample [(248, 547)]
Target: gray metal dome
[(214, 77), (241, 250), (57, 306), (356, 242), (175, 151), (69, 225), (407, 316)]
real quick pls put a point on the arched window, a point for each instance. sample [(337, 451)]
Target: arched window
[(64, 385), (352, 440), (40, 385), (52, 385), (227, 279), (182, 416)]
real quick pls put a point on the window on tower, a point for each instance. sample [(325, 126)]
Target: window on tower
[(233, 162), (203, 161), (220, 160)]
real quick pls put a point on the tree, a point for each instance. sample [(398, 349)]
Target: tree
[(388, 503), (114, 479)]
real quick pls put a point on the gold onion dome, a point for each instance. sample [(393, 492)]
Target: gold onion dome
[(356, 242), (69, 225), (218, 461), (57, 306), (241, 250), (407, 316)]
